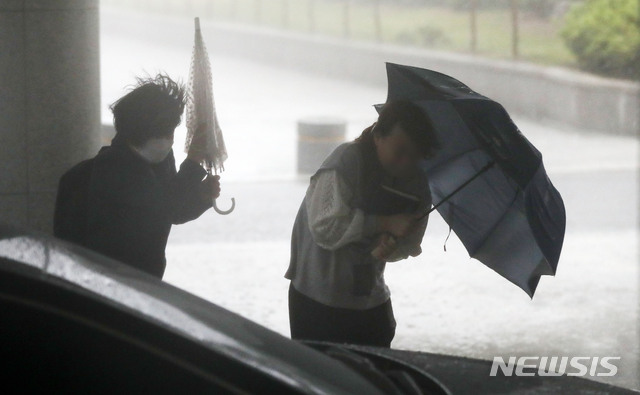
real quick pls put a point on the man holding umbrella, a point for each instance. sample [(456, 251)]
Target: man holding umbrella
[(123, 202), (362, 209)]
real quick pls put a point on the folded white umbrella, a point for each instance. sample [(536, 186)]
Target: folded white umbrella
[(203, 130)]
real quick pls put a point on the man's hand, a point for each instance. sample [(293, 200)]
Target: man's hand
[(210, 187)]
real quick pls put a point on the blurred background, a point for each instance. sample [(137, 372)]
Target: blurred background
[(595, 37), (567, 72)]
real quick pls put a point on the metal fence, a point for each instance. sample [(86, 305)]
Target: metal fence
[(360, 19)]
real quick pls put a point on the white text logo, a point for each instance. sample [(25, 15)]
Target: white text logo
[(555, 366)]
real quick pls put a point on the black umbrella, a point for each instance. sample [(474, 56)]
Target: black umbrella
[(487, 180)]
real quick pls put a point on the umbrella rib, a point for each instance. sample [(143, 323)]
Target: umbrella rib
[(454, 158), (464, 184)]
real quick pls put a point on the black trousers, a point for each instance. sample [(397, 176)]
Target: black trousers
[(311, 320)]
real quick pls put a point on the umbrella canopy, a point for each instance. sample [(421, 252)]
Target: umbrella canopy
[(203, 130), (509, 216)]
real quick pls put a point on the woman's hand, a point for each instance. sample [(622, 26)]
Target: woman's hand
[(399, 225), (385, 245), (415, 251)]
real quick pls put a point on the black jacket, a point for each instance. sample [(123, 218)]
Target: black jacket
[(123, 207)]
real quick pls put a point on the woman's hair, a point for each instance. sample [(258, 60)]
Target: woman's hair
[(413, 120), (151, 109)]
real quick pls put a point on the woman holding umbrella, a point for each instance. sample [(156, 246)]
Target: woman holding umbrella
[(361, 210)]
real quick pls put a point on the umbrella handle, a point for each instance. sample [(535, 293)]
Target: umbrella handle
[(225, 212)]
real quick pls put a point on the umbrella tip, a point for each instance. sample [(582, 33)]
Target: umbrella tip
[(197, 23)]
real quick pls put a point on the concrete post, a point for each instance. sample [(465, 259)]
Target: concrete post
[(49, 101), (317, 138)]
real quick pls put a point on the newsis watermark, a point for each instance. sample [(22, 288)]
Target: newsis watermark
[(555, 366)]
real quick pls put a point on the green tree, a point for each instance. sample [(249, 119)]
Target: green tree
[(605, 36)]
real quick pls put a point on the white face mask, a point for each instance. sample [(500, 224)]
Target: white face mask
[(155, 150)]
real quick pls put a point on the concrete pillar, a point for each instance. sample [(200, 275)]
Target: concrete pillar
[(317, 138), (49, 101)]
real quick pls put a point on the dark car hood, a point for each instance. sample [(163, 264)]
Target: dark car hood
[(211, 326)]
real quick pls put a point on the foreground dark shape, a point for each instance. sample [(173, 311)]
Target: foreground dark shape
[(74, 321)]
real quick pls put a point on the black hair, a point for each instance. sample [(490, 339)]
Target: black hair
[(413, 120), (153, 108)]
